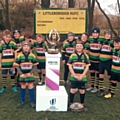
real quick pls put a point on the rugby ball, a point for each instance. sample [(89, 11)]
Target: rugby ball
[(76, 106)]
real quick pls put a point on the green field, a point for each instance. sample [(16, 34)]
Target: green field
[(98, 108)]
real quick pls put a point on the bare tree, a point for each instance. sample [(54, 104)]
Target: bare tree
[(59, 3), (118, 3), (7, 14), (91, 5), (80, 3), (71, 3), (5, 7), (109, 22), (45, 3)]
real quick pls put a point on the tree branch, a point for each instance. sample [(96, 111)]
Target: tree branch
[(3, 6), (118, 3), (93, 5), (109, 22)]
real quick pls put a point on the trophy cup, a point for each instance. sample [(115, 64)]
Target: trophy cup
[(53, 39)]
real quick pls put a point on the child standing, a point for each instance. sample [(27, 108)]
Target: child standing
[(18, 41), (25, 63), (115, 70), (67, 50), (95, 43), (78, 65), (105, 60), (40, 48), (7, 57)]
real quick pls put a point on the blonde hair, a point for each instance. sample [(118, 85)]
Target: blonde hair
[(7, 32)]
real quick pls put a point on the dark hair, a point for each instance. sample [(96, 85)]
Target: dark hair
[(85, 33), (117, 39), (27, 35)]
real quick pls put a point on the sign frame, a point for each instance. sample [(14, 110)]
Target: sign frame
[(86, 21)]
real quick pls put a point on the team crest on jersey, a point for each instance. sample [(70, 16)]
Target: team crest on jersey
[(106, 48), (116, 59), (4, 48), (7, 52), (40, 50), (83, 60), (95, 47), (78, 66), (22, 61), (70, 50), (26, 66)]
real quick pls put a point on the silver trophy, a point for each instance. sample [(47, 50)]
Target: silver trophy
[(53, 39)]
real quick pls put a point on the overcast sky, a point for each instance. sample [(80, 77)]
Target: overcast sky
[(105, 3)]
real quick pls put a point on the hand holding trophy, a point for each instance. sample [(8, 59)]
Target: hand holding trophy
[(53, 39)]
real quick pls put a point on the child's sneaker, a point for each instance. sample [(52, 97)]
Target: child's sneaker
[(109, 95), (90, 88), (100, 93), (2, 90), (20, 103), (40, 82), (94, 90), (14, 89), (33, 104)]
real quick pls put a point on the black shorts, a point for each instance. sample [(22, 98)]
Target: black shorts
[(106, 65), (77, 84), (115, 76), (41, 65), (94, 66)]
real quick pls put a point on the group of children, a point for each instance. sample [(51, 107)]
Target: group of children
[(96, 54), (20, 56)]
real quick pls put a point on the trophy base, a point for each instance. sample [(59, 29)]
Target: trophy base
[(53, 51)]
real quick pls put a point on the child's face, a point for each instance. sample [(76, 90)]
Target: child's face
[(95, 35), (107, 36), (17, 35), (117, 45), (39, 39), (26, 48), (70, 38), (84, 38), (79, 48), (7, 38)]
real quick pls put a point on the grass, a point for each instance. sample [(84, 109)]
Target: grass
[(98, 108)]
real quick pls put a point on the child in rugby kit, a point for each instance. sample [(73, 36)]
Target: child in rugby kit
[(105, 60), (84, 38), (40, 49), (7, 57), (67, 49), (78, 64), (25, 64), (115, 69), (95, 43), (18, 40), (28, 38)]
